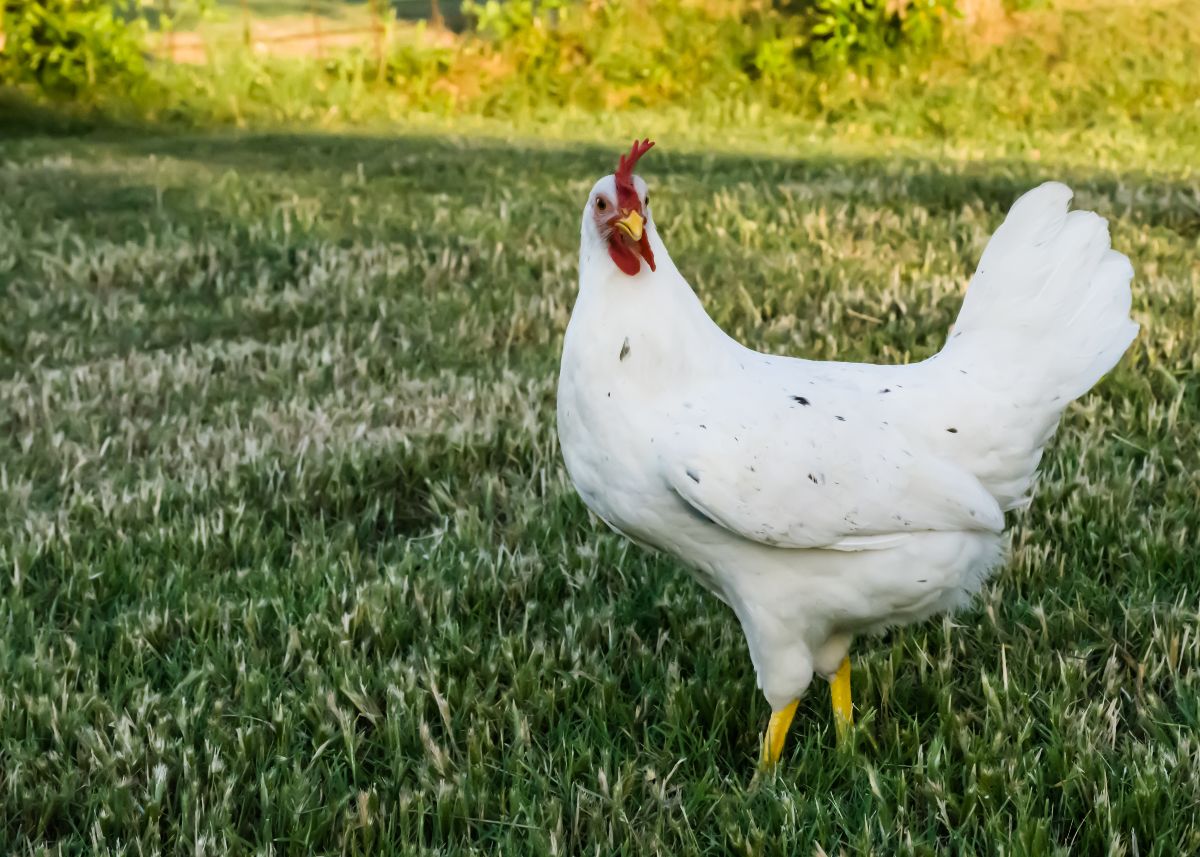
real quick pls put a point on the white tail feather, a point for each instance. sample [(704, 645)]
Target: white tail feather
[(1045, 316)]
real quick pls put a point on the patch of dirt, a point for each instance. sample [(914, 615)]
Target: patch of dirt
[(296, 38)]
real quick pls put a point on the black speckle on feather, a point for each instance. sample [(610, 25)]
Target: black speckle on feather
[(886, 390), (840, 419), (952, 430), (693, 475), (812, 479), (800, 400), (624, 349)]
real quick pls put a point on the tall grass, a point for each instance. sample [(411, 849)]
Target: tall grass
[(1038, 83), (1042, 84)]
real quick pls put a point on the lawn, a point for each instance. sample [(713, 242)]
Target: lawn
[(289, 563)]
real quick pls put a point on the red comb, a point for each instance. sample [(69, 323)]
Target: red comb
[(626, 193)]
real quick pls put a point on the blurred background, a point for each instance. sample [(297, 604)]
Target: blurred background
[(939, 70), (288, 560)]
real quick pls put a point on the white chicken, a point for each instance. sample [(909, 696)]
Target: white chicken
[(821, 500)]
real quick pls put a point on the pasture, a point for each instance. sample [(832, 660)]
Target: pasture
[(289, 563)]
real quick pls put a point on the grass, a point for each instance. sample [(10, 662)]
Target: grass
[(1104, 84), (289, 563)]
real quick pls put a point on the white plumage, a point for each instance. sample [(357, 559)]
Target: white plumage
[(820, 500)]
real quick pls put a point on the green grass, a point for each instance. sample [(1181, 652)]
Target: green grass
[(289, 563)]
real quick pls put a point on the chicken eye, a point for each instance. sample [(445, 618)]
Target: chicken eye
[(601, 204), (646, 201)]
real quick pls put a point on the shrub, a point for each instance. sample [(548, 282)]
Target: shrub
[(845, 31), (611, 54), (72, 48)]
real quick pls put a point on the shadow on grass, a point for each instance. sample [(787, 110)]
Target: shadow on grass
[(458, 166), (22, 117), (121, 184)]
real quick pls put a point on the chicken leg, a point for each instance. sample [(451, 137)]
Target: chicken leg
[(843, 707), (843, 717)]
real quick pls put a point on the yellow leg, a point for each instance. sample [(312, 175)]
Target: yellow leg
[(772, 747), (843, 708)]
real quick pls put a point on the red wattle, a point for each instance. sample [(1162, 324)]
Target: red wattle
[(647, 253), (625, 258)]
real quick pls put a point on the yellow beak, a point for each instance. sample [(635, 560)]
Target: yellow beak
[(631, 224)]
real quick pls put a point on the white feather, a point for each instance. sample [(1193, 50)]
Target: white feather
[(825, 499)]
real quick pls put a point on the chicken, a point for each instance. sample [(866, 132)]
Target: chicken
[(822, 500)]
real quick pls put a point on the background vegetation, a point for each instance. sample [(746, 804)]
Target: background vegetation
[(288, 561)]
